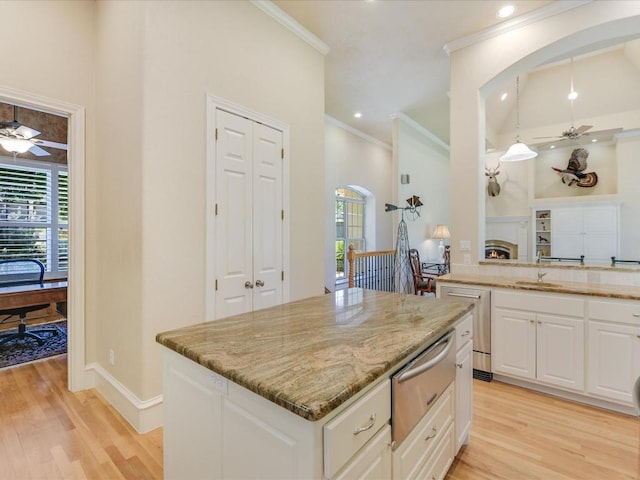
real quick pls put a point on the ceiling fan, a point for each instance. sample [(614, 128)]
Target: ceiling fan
[(573, 133), (18, 138)]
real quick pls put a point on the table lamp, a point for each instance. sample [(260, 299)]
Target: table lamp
[(441, 232)]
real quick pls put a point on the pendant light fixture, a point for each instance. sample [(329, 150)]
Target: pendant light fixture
[(518, 151)]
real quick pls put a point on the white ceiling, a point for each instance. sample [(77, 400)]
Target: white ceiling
[(387, 57)]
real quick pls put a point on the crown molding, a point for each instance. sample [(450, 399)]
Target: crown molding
[(534, 16), (292, 25), (357, 132), (415, 125)]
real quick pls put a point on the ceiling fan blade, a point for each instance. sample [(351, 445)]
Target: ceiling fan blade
[(582, 129), (26, 132), (559, 138), (610, 131), (38, 152), (49, 144)]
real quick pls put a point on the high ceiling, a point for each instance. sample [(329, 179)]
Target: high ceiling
[(387, 57)]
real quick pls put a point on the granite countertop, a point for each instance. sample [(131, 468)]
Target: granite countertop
[(626, 292), (312, 355)]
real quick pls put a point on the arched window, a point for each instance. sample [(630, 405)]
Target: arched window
[(349, 226)]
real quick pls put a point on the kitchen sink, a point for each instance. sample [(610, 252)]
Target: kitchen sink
[(537, 284)]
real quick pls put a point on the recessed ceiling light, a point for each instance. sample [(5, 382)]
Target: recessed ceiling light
[(552, 146), (504, 96), (594, 140), (572, 95), (357, 115), (506, 11)]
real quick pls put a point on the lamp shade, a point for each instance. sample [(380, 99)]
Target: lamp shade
[(441, 232), (518, 151), (16, 145)]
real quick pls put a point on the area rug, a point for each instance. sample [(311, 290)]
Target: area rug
[(25, 350)]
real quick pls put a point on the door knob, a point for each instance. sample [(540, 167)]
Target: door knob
[(248, 284), (259, 283)]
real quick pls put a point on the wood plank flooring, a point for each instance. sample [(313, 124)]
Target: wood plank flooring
[(47, 432), (518, 434)]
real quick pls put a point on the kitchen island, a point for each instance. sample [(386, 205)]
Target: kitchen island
[(249, 395)]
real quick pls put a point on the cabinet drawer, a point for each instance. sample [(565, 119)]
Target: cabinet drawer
[(438, 466), (615, 311), (464, 331), (373, 461), (416, 450), (553, 303), (350, 430)]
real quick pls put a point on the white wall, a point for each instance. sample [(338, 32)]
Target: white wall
[(628, 153), (478, 69), (143, 70), (514, 196), (427, 164), (351, 159)]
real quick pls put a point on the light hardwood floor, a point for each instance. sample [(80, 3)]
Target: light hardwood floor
[(518, 434), (47, 432)]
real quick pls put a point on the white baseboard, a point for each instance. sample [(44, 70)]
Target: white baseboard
[(143, 415)]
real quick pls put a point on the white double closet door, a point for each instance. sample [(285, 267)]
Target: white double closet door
[(249, 215)]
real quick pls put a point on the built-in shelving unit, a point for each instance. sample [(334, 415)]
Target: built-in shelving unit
[(542, 233)]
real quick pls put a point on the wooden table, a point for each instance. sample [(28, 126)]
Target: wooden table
[(26, 295)]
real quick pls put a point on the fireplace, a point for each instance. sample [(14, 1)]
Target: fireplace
[(500, 249)]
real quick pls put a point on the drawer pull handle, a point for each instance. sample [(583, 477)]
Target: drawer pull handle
[(466, 333), (434, 432), (459, 365), (636, 315), (364, 428)]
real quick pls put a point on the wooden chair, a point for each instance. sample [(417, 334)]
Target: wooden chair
[(421, 283)]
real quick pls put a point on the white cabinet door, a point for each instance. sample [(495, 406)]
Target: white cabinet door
[(567, 234), (464, 394), (514, 342), (248, 219), (591, 231), (373, 461), (614, 360), (267, 216), (560, 351), (234, 226)]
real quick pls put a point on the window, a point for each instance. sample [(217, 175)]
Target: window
[(349, 226), (34, 198)]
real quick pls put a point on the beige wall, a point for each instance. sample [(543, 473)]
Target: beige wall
[(353, 160), (478, 69), (428, 167), (143, 70), (184, 51), (56, 60)]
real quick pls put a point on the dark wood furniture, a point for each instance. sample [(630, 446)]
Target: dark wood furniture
[(22, 291), (422, 283)]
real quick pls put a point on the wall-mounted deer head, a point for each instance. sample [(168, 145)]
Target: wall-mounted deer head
[(493, 187)]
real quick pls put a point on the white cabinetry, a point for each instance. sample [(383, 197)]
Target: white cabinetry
[(539, 337), (428, 451), (591, 231), (464, 380), (613, 349), (350, 431)]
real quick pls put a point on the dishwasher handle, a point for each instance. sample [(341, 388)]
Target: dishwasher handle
[(463, 295), (447, 340)]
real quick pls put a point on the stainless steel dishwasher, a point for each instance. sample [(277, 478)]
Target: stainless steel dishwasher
[(481, 326)]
